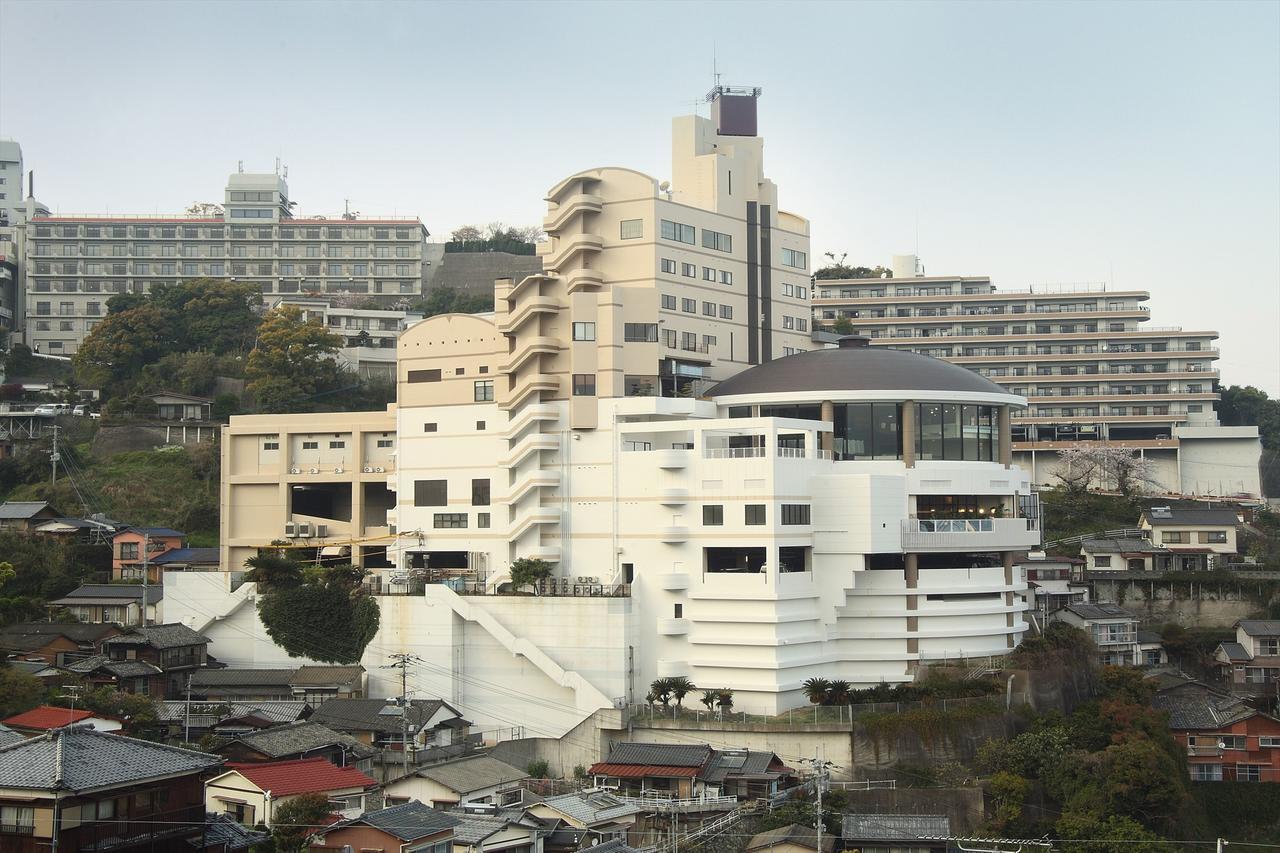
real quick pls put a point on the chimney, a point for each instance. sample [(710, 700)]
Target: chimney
[(31, 183)]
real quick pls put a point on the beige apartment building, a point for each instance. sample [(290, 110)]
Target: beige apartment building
[(1084, 356), (75, 263)]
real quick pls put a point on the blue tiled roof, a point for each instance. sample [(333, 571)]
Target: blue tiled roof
[(188, 555)]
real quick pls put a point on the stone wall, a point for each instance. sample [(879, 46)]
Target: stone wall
[(963, 805), (1190, 604), (474, 272), (110, 440)]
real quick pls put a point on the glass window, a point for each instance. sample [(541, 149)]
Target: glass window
[(632, 229), (689, 270), (668, 265), (430, 492), (424, 375), (677, 231), (755, 514), (584, 384), (484, 391), (795, 513), (668, 301), (450, 519), (716, 240), (713, 515), (584, 331), (480, 492), (969, 431), (640, 332)]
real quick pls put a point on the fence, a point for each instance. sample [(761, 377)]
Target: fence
[(640, 715), (667, 805)]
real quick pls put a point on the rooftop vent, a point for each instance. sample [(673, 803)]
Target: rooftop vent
[(853, 341)]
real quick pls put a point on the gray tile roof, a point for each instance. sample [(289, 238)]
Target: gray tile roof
[(792, 833), (168, 636), (617, 845), (1100, 611), (111, 593), (742, 763), (292, 738), (660, 754), (465, 775), (1235, 652), (1194, 706), (474, 828), (886, 827), (590, 808), (280, 712), (1260, 627), (409, 821), (8, 736), (19, 510), (223, 829), (375, 715), (33, 635), (1149, 637), (1121, 546), (77, 758), (202, 556), (1174, 516), (118, 668), (236, 677), (317, 675)]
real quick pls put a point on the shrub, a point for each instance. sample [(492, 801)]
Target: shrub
[(539, 769)]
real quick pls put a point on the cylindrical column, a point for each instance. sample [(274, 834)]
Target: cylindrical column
[(1007, 559), (1006, 437), (828, 417), (911, 576), (908, 424)]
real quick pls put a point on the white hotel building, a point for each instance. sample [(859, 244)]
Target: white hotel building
[(711, 508)]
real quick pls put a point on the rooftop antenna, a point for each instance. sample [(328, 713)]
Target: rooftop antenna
[(277, 167), (240, 167)]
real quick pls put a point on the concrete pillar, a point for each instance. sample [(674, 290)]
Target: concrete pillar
[(828, 417), (911, 571), (1006, 437), (1007, 558), (907, 423)]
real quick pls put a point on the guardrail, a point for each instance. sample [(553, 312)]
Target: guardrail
[(680, 806)]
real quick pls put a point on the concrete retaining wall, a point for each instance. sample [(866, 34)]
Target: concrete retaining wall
[(1188, 603)]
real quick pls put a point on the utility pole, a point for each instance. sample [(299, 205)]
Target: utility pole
[(74, 690), (146, 572), (53, 460), (186, 737), (401, 662), (1222, 843), (821, 767)]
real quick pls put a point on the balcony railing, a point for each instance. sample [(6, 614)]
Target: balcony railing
[(945, 534)]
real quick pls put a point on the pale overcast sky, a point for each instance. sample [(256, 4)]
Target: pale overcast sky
[(1136, 143)]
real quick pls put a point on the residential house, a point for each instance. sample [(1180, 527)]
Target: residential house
[(77, 789), (1151, 649), (599, 815), (226, 719), (430, 723), (181, 407), (895, 833), (1198, 538), (477, 779), (1252, 662), (117, 603), (49, 674), (223, 835), (314, 684), (1051, 582), (48, 717), (189, 560), (299, 740), (133, 547), (127, 676), (690, 771), (174, 648), (1225, 738), (497, 833), (55, 643), (95, 528), (792, 838), (252, 793), (407, 827), (1128, 554), (23, 516), (1113, 629)]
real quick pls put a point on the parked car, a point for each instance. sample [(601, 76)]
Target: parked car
[(82, 411), (53, 409)]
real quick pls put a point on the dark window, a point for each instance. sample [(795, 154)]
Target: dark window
[(793, 558), (795, 513), (734, 560), (640, 332), (430, 492), (482, 519), (479, 492), (739, 411), (424, 375), (484, 390), (479, 426), (713, 514), (584, 384), (450, 519), (957, 432), (867, 431), (678, 611), (755, 514), (429, 427)]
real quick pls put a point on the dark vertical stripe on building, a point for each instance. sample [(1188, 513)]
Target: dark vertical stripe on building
[(766, 281), (753, 287)]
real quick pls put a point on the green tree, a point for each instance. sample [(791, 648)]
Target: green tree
[(293, 359), (18, 691), (448, 300), (1113, 834), (216, 316), (1250, 406), (135, 710), (528, 571), (123, 343), (319, 621), (681, 687), (843, 326), (538, 769), (817, 690), (296, 819), (1008, 792)]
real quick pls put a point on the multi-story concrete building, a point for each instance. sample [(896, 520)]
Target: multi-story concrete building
[(1083, 356), (711, 509), (78, 262), (15, 211), (368, 334)]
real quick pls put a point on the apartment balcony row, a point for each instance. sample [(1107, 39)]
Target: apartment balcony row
[(926, 314), (1085, 356), (287, 270), (886, 337), (391, 285), (1170, 418), (1173, 397), (217, 230), (860, 292), (1024, 354), (54, 253), (1005, 377), (963, 534)]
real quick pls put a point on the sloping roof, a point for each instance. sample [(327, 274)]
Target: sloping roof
[(20, 510), (465, 775), (236, 677), (8, 736), (375, 715), (855, 366), (616, 845), (1260, 627), (1149, 637), (660, 754), (317, 675), (153, 531), (178, 396), (1235, 652), (1195, 706), (291, 738), (1121, 546), (745, 763), (111, 593), (876, 827), (200, 556), (641, 771), (47, 717), (167, 636), (409, 821), (591, 807), (1164, 516), (80, 759), (118, 668), (26, 636), (277, 711), (302, 776), (792, 833), (475, 828), (223, 829), (1099, 611)]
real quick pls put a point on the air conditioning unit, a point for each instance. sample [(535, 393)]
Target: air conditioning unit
[(295, 470), (290, 530), (304, 530), (315, 471), (322, 530), (339, 470), (380, 470), (368, 469)]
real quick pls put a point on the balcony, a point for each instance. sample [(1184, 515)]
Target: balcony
[(673, 496), (969, 534), (674, 581), (671, 458), (673, 627), (673, 534)]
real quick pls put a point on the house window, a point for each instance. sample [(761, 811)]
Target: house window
[(584, 384), (726, 312), (128, 550), (708, 274), (678, 611), (716, 240), (337, 445), (479, 492), (1248, 772), (17, 820), (793, 258), (689, 306), (726, 277), (754, 514), (1269, 646), (450, 520), (584, 331), (795, 513), (708, 309), (632, 229), (310, 445), (677, 231), (668, 265), (271, 444), (424, 375), (1206, 772), (430, 492), (689, 270), (713, 515), (1172, 537), (483, 390), (482, 520), (640, 332), (1102, 561), (430, 427)]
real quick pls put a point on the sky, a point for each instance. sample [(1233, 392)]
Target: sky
[(1135, 144)]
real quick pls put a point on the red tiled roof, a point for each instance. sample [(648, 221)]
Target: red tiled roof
[(47, 717), (638, 771), (302, 776)]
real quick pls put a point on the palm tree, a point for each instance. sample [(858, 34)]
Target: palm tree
[(724, 698), (661, 690), (680, 687), (817, 690), (709, 698), (840, 690), (272, 569)]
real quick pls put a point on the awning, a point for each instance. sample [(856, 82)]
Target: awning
[(335, 551)]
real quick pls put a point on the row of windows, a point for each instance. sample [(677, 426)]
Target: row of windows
[(631, 332), (688, 341), (435, 374), (800, 324), (795, 258), (283, 286), (755, 514), (218, 232), (219, 250), (217, 269), (436, 492), (690, 306), (688, 270)]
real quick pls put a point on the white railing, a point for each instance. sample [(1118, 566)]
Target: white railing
[(655, 801), (733, 453), (947, 533)]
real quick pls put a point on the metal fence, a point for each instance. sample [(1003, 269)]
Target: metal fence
[(640, 715)]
